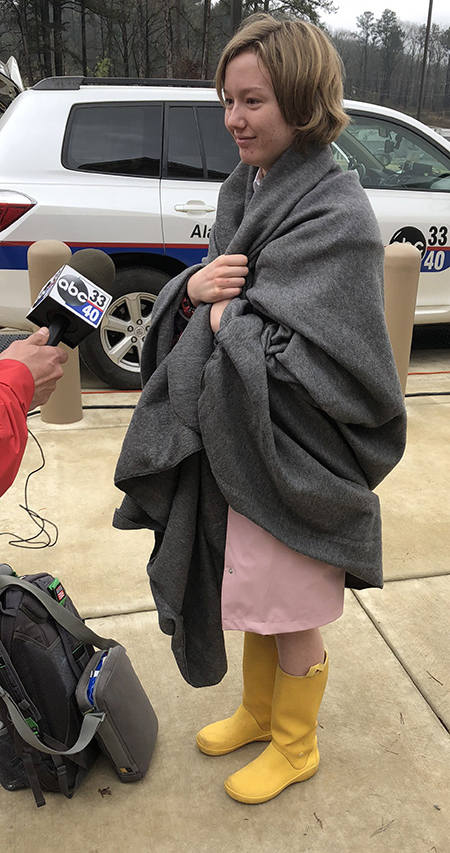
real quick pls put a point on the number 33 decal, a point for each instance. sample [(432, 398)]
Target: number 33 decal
[(438, 236)]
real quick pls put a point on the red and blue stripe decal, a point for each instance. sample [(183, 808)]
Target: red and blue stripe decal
[(13, 255)]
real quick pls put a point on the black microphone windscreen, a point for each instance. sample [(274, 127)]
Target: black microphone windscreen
[(95, 265)]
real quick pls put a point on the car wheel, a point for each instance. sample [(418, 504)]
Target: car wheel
[(113, 352)]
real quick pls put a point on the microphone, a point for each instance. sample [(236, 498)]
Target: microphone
[(73, 302)]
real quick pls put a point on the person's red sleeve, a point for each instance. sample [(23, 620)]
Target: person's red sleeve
[(16, 394)]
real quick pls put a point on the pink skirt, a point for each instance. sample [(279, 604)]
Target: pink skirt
[(269, 589)]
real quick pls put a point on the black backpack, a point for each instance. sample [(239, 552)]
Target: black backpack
[(40, 666)]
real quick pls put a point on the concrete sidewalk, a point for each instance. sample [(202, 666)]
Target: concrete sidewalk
[(384, 780)]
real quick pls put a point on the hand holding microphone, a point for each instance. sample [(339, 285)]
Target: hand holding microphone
[(43, 361)]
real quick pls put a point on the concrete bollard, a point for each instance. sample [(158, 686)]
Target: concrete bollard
[(401, 278), (45, 257)]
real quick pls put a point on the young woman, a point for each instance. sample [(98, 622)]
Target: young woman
[(261, 434)]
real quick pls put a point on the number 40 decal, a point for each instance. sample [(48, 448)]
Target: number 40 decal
[(434, 261)]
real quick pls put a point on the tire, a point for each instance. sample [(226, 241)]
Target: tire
[(113, 352)]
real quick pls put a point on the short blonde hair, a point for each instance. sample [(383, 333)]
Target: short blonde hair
[(306, 73)]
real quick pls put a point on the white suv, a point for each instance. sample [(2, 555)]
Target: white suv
[(133, 167)]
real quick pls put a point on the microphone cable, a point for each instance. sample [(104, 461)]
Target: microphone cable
[(49, 533), (46, 528)]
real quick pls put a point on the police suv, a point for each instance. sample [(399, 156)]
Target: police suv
[(133, 167)]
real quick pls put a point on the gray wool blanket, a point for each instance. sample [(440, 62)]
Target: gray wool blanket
[(291, 414)]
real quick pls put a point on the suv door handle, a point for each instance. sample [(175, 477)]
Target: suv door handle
[(194, 207)]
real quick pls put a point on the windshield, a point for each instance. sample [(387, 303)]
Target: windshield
[(386, 155)]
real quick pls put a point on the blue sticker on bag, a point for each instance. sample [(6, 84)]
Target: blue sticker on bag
[(93, 679)]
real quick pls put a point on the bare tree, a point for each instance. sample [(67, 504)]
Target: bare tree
[(389, 36), (83, 36), (435, 57), (168, 35), (301, 8), (366, 24), (407, 86), (16, 18), (58, 37), (446, 45), (142, 38), (206, 38), (44, 34)]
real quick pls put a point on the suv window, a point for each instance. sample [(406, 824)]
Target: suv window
[(184, 158), (118, 139), (221, 151), (198, 144), (388, 155)]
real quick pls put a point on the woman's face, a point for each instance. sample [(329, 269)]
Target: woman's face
[(252, 114)]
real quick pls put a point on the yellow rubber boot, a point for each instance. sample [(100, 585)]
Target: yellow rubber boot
[(252, 719), (293, 755)]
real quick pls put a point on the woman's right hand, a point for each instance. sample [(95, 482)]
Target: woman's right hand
[(223, 278)]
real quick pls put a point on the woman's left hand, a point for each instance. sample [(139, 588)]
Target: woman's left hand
[(215, 316)]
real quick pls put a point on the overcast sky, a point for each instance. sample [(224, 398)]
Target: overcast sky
[(405, 10)]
